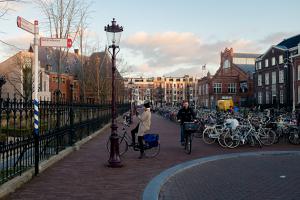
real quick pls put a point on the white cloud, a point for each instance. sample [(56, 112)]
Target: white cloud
[(173, 52), (18, 43)]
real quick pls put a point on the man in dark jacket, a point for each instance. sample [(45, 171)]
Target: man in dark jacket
[(185, 114)]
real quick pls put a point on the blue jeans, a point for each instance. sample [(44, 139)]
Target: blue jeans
[(181, 133)]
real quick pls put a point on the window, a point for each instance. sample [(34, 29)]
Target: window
[(281, 96), (267, 97), (206, 88), (298, 72), (259, 98), (217, 88), (281, 76), (273, 77), (280, 59), (259, 83), (259, 65), (273, 61), (267, 79), (232, 88), (266, 63)]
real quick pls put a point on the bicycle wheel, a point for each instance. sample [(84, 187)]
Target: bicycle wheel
[(151, 152), (123, 146), (188, 144), (231, 139), (267, 136), (221, 138), (207, 136), (199, 132), (294, 137)]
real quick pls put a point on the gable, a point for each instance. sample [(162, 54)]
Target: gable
[(233, 71)]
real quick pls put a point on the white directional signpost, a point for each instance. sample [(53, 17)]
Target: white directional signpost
[(55, 42), (50, 42), (34, 29)]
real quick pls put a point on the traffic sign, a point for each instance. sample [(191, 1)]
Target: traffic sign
[(25, 25), (55, 42)]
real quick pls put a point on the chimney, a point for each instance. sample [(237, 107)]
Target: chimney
[(76, 51)]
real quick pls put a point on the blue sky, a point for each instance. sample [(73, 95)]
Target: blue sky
[(176, 37)]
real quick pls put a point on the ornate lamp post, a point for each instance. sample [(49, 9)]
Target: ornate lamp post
[(113, 33)]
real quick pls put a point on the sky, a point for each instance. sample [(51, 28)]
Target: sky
[(169, 37)]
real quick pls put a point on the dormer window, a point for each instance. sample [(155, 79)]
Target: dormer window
[(226, 64)]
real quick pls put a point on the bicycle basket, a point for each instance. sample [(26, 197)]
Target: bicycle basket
[(151, 139), (190, 126)]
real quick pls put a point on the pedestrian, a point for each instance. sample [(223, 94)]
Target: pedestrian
[(298, 118), (142, 127), (185, 114)]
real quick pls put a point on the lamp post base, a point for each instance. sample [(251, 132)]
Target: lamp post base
[(114, 159)]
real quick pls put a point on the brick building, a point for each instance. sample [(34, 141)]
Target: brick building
[(166, 90), (233, 80), (275, 71), (66, 80)]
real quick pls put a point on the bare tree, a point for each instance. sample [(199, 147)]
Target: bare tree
[(65, 19), (5, 6), (19, 74)]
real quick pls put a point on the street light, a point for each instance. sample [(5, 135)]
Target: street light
[(113, 33), (286, 62)]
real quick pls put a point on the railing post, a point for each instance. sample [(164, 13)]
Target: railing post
[(72, 129)]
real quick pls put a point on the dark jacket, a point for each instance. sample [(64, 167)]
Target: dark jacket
[(186, 115)]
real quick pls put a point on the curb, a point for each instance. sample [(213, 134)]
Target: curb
[(152, 190), (17, 182)]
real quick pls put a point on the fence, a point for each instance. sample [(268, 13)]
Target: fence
[(61, 125)]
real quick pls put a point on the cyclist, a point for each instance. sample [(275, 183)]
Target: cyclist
[(185, 114), (143, 126)]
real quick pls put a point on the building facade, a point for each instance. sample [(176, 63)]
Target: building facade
[(66, 81), (276, 75), (233, 80), (18, 72), (162, 90)]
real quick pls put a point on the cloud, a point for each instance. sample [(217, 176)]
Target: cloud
[(16, 43), (175, 51)]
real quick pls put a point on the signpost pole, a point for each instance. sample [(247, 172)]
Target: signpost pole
[(36, 100)]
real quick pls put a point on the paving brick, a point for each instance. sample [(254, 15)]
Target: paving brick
[(84, 175)]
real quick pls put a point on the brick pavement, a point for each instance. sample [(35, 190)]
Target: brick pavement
[(252, 177), (84, 175)]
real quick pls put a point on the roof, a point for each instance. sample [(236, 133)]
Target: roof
[(245, 55), (246, 68), (290, 42)]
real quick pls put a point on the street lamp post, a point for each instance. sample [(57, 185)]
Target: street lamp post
[(286, 62), (113, 33)]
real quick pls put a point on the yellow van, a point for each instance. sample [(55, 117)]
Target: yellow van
[(225, 104)]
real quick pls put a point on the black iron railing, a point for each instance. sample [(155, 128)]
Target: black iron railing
[(61, 125)]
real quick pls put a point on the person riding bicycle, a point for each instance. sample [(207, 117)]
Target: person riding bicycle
[(143, 126), (185, 114)]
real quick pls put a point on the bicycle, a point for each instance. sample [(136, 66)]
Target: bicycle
[(151, 143), (189, 129)]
